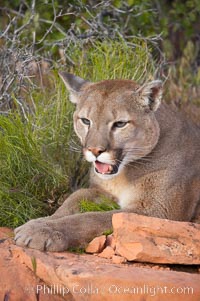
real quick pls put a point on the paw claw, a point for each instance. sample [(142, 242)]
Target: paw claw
[(17, 236), (47, 243), (27, 241)]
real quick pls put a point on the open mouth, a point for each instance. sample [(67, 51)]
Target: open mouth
[(106, 169)]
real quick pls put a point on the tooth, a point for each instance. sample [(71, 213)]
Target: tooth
[(110, 168)]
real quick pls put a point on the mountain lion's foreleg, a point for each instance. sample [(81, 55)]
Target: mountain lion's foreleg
[(72, 204), (62, 230)]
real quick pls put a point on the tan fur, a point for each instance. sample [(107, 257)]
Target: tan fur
[(144, 155)]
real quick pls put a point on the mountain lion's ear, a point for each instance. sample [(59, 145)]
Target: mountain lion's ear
[(151, 95), (73, 84)]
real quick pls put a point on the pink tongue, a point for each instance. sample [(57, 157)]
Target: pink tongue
[(102, 167)]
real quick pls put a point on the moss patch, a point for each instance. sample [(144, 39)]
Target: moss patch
[(76, 250)]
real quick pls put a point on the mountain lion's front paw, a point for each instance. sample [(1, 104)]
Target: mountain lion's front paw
[(39, 234)]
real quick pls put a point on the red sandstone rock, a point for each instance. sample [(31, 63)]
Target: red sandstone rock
[(87, 278), (90, 278), (148, 239), (118, 259), (108, 252), (96, 245), (17, 281)]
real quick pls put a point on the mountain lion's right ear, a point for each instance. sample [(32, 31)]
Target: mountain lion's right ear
[(150, 95), (73, 84)]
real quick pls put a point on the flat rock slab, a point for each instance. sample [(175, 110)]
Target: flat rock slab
[(86, 278), (17, 281), (149, 239)]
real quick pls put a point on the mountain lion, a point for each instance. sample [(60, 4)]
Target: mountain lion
[(144, 156)]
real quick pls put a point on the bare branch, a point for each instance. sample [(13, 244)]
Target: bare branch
[(22, 53)]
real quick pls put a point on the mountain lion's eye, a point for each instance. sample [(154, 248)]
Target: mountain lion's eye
[(120, 124), (85, 121)]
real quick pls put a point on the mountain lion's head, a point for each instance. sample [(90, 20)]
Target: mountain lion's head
[(114, 120)]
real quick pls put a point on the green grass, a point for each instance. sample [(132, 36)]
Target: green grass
[(104, 204), (108, 232), (34, 158), (36, 164), (34, 264), (27, 179), (112, 60), (76, 250)]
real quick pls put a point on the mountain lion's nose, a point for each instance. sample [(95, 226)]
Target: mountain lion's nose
[(96, 150)]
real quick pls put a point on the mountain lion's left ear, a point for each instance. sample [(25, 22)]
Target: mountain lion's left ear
[(74, 85), (151, 95)]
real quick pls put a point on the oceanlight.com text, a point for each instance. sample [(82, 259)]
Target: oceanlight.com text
[(113, 289)]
